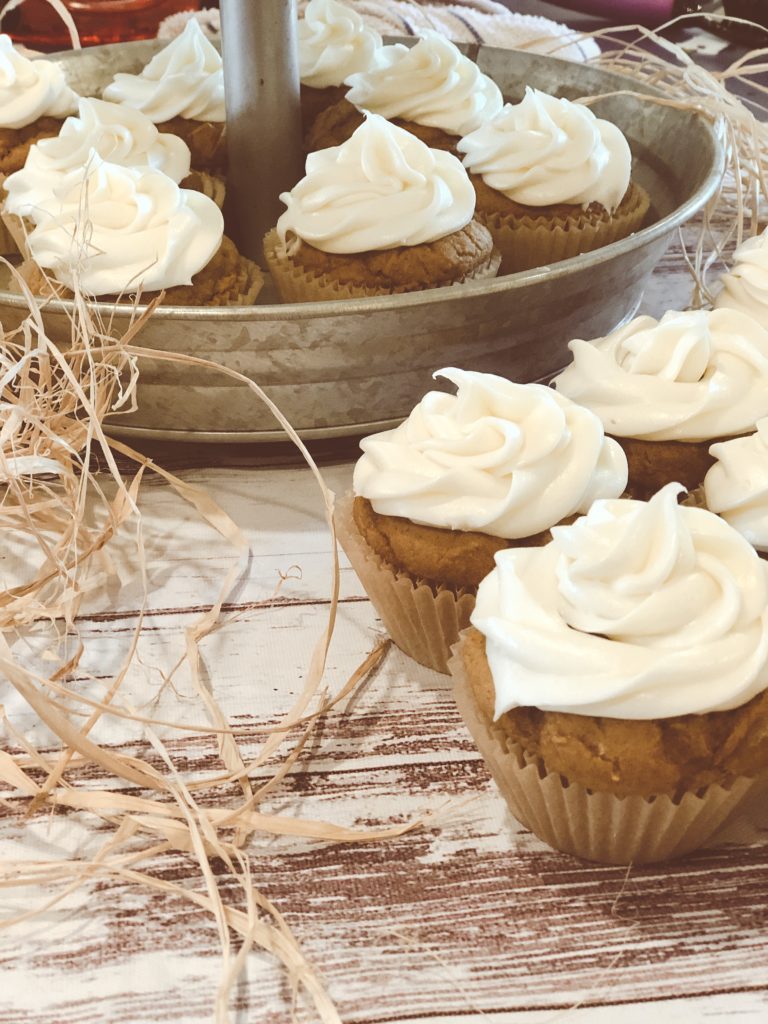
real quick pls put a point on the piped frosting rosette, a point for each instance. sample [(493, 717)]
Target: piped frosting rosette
[(633, 616), (383, 189), (690, 376), (334, 42), (745, 287), (540, 155), (117, 134), (544, 151), (31, 89), (638, 610), (124, 228), (505, 459), (736, 487), (184, 80), (431, 84), (500, 459)]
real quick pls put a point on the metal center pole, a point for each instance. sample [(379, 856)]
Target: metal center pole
[(261, 82)]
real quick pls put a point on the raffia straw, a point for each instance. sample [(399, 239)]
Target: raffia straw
[(54, 400)]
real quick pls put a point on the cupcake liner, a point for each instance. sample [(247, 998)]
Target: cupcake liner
[(527, 242), (297, 285), (595, 826), (210, 185), (422, 620)]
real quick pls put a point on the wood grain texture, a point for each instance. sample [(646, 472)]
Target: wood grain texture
[(470, 920)]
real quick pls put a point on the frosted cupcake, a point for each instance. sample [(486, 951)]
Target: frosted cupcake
[(745, 288), (380, 215), (615, 679), (431, 90), (668, 389), (182, 91), (34, 100), (129, 229), (334, 42), (115, 133), (466, 475), (552, 181), (736, 487)]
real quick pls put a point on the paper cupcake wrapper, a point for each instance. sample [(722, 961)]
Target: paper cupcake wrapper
[(211, 186), (297, 285), (423, 621), (527, 242), (595, 826)]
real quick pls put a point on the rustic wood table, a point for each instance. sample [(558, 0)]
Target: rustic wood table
[(470, 919)]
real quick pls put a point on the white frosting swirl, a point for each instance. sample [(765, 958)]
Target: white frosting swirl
[(30, 89), (506, 459), (746, 287), (184, 80), (431, 84), (383, 188), (334, 42), (116, 133), (127, 227), (691, 376), (638, 610), (545, 150), (736, 487)]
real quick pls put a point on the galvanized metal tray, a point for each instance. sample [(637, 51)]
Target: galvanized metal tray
[(347, 367)]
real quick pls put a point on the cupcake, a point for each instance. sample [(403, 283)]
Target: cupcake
[(380, 215), (334, 43), (552, 181), (465, 476), (745, 288), (182, 91), (126, 229), (34, 100), (116, 133), (431, 90), (736, 487), (615, 679), (669, 389)]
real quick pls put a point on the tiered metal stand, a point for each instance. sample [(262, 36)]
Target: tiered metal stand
[(345, 368)]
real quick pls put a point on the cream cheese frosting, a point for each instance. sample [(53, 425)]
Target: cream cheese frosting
[(692, 376), (30, 89), (381, 189), (334, 42), (431, 84), (736, 487), (116, 133), (184, 80), (546, 150), (127, 227), (745, 288), (509, 460), (638, 610)]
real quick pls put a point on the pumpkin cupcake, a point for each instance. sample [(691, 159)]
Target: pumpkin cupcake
[(334, 42), (736, 487), (466, 475), (745, 287), (431, 90), (380, 215), (125, 229), (668, 389), (615, 679), (182, 91), (34, 100), (552, 181), (115, 133)]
